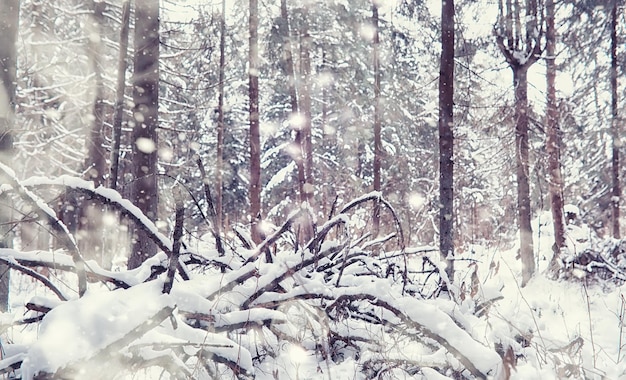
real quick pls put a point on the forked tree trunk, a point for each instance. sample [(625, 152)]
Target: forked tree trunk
[(144, 136), (446, 137), (519, 39), (615, 128), (255, 139), (9, 16), (553, 132)]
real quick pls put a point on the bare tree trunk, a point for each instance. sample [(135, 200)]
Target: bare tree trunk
[(301, 135), (378, 151), (446, 137), (146, 115), (328, 138), (553, 130), (523, 187), (9, 18), (119, 96), (293, 97), (117, 243), (95, 164), (306, 144), (615, 128), (255, 139), (305, 107), (90, 213), (220, 128), (520, 43)]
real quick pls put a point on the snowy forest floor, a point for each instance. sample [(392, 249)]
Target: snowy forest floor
[(572, 327)]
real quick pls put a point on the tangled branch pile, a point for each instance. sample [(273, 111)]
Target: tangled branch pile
[(331, 305)]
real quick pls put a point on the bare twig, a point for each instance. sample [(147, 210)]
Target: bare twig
[(593, 345), (178, 234), (215, 230)]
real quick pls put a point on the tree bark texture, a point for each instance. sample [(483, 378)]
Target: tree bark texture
[(255, 139), (378, 146), (446, 137), (9, 16), (146, 119), (553, 134), (615, 129)]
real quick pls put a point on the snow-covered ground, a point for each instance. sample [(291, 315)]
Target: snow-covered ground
[(570, 328), (550, 329)]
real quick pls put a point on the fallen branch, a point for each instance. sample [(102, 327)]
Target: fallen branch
[(11, 363), (110, 198), (101, 358), (38, 276), (286, 272), (445, 326), (46, 213)]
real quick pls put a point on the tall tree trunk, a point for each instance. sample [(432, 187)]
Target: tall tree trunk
[(520, 79), (95, 164), (90, 213), (446, 137), (119, 96), (116, 136), (300, 142), (328, 138), (615, 128), (553, 141), (255, 139), (305, 106), (293, 97), (220, 128), (378, 151), (9, 16), (520, 43), (146, 115)]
